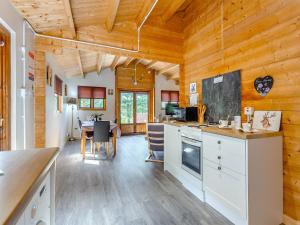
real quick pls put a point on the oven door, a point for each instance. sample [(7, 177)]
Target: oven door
[(192, 156)]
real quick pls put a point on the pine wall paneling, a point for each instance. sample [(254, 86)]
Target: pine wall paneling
[(260, 37)]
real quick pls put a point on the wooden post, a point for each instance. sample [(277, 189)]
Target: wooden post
[(40, 100)]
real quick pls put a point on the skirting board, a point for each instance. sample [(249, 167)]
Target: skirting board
[(289, 221)]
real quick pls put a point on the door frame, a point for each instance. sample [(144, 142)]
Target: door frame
[(5, 77), (150, 105)]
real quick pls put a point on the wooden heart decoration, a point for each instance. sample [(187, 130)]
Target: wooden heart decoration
[(263, 85)]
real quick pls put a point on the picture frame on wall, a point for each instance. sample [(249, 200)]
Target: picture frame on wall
[(193, 88), (66, 90), (49, 76), (110, 91)]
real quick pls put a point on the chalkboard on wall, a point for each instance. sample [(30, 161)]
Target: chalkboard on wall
[(222, 96)]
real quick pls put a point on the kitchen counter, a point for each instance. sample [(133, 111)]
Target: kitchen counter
[(24, 170), (229, 132)]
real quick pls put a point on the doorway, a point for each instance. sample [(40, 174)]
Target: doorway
[(4, 89), (134, 111)]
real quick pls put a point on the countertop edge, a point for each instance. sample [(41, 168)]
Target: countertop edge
[(17, 212), (230, 132)]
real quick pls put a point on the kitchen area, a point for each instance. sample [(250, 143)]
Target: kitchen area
[(234, 167)]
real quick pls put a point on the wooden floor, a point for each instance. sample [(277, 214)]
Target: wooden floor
[(124, 191)]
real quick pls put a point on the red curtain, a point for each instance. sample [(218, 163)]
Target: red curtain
[(84, 92), (174, 96), (165, 96), (99, 92), (170, 96), (91, 92), (58, 86)]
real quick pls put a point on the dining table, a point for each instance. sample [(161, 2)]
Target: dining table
[(89, 126)]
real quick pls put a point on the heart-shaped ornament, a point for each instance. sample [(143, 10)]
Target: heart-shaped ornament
[(263, 85)]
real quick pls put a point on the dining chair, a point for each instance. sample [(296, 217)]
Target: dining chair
[(88, 135), (101, 135), (155, 137)]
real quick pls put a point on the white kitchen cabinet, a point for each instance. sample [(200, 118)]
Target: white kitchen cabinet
[(242, 178), (172, 149), (38, 210), (228, 186)]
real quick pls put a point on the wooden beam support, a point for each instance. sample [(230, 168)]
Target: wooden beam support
[(171, 10), (138, 61), (53, 45), (69, 14), (100, 62), (151, 64), (115, 63), (144, 11), (112, 13), (167, 68), (79, 63), (128, 61)]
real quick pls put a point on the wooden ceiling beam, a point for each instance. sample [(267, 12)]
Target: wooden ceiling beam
[(167, 68), (112, 13), (114, 63), (100, 60), (138, 61), (151, 64), (144, 11), (79, 63), (128, 61), (53, 45), (171, 10), (69, 14)]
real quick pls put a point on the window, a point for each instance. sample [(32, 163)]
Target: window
[(92, 98), (58, 93), (169, 97)]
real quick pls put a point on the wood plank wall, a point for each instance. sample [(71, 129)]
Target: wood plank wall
[(146, 83), (260, 37), (40, 99)]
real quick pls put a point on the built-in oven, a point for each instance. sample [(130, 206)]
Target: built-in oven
[(192, 154)]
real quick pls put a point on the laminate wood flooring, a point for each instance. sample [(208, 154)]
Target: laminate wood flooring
[(124, 191)]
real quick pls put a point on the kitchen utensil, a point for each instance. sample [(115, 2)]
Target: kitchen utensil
[(202, 110)]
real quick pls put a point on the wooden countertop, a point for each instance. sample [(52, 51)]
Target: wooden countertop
[(229, 132), (23, 172)]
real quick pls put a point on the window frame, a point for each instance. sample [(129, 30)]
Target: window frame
[(91, 100), (92, 104)]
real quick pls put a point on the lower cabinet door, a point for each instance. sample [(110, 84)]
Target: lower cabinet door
[(228, 187), (172, 149)]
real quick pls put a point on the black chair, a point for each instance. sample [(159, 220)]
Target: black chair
[(101, 135), (88, 135), (155, 136)]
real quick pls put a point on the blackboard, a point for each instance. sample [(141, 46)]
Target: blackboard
[(222, 96)]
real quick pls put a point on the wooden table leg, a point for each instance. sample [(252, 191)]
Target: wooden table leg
[(83, 144), (115, 141)]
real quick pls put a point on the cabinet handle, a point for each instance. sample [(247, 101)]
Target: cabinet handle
[(33, 211), (219, 142), (219, 157), (219, 168)]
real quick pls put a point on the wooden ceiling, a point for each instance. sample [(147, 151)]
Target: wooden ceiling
[(109, 22)]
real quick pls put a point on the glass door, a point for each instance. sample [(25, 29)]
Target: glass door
[(134, 108), (141, 112), (126, 112)]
